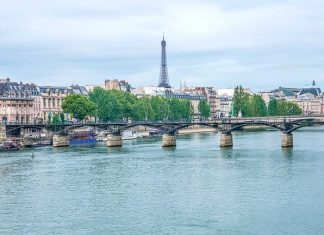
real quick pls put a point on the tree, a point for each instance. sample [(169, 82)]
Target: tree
[(273, 108), (283, 108), (62, 117), (204, 109), (56, 119), (49, 118), (79, 106), (144, 111), (257, 106), (240, 102)]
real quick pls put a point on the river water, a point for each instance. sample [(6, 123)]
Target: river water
[(195, 188)]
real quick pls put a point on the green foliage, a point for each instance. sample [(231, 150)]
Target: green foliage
[(273, 108), (79, 106), (204, 109), (62, 117), (255, 106), (240, 102), (56, 119), (49, 118), (283, 108), (116, 105)]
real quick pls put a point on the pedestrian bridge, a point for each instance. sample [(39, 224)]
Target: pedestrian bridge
[(287, 125)]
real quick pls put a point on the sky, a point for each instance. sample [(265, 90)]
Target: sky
[(260, 44)]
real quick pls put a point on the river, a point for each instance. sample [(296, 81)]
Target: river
[(196, 188)]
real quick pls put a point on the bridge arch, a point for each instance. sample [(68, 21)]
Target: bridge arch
[(182, 126), (257, 123)]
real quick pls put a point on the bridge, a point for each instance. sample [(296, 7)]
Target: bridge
[(287, 125)]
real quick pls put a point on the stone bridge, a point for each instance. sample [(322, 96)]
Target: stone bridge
[(286, 125)]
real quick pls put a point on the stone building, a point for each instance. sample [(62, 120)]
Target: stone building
[(209, 93), (194, 99), (309, 99), (16, 101), (115, 84), (52, 98), (224, 106)]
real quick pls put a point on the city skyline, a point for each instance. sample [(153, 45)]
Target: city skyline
[(258, 45)]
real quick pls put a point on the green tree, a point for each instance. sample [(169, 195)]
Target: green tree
[(273, 108), (283, 108), (62, 118), (160, 107), (257, 106), (108, 106), (49, 117), (240, 102), (56, 119), (79, 106), (204, 109), (144, 111)]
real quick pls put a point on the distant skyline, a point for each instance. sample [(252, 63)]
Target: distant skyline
[(259, 44)]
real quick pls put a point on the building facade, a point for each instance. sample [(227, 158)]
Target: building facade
[(120, 85), (52, 98), (16, 101)]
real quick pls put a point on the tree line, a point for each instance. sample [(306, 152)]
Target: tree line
[(248, 105), (114, 105)]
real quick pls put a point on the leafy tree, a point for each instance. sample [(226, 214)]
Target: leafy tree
[(160, 107), (62, 117), (273, 108), (240, 102), (204, 109), (109, 107), (79, 106), (257, 106), (56, 119), (283, 108), (293, 109), (144, 111), (49, 118)]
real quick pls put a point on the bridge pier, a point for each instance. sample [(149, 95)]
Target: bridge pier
[(226, 139), (114, 141), (3, 135), (169, 140), (287, 140), (61, 140)]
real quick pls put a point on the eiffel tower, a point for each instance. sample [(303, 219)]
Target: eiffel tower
[(164, 77)]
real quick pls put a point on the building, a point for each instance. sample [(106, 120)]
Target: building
[(209, 93), (16, 101), (309, 99), (284, 92), (80, 90), (164, 76), (150, 91), (224, 106), (52, 98), (120, 85), (91, 87)]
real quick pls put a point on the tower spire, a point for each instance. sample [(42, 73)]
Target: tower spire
[(164, 77)]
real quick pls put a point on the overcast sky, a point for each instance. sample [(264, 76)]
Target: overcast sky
[(260, 44)]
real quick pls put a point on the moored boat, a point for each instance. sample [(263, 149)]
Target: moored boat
[(9, 146), (129, 135), (83, 137)]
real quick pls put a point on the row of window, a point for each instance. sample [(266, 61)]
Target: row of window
[(16, 105)]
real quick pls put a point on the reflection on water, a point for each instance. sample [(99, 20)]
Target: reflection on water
[(193, 188)]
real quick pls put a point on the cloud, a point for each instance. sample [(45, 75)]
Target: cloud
[(208, 43)]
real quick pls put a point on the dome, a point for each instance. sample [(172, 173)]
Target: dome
[(314, 90)]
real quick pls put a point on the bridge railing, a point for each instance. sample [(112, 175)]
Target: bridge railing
[(233, 120)]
